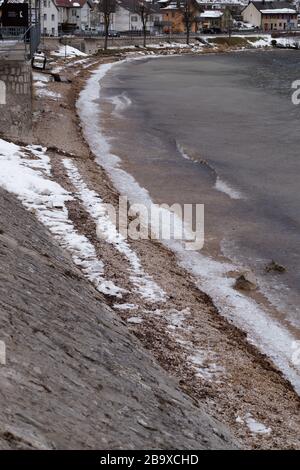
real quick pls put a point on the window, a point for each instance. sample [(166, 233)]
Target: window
[(134, 19), (53, 31), (53, 17), (74, 12), (45, 3), (45, 16)]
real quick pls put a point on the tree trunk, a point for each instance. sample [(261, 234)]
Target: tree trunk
[(188, 35), (106, 33), (144, 34)]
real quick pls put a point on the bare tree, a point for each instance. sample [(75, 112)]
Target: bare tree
[(144, 9), (227, 21), (106, 7), (189, 16)]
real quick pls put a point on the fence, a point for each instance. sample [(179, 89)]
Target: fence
[(20, 40), (12, 32)]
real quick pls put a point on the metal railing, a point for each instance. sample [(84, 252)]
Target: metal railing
[(12, 33), (20, 40)]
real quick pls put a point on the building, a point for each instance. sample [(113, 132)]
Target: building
[(49, 18), (216, 20), (74, 15), (174, 19), (234, 6), (126, 18), (271, 16)]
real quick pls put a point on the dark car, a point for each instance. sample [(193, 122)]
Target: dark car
[(112, 34), (211, 31)]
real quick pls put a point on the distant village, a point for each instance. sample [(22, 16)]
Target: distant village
[(85, 17)]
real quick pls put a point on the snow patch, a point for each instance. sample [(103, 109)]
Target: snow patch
[(29, 179), (44, 93), (203, 362), (41, 77), (125, 306), (176, 318), (92, 202), (68, 51), (135, 320), (253, 425), (40, 84)]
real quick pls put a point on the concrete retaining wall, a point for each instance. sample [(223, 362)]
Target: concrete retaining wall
[(15, 99), (91, 45)]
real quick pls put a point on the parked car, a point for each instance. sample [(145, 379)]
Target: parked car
[(112, 34), (211, 31)]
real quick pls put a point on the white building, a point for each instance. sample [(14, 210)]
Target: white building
[(126, 17), (49, 18), (74, 15), (271, 16)]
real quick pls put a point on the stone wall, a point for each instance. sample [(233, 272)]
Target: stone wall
[(74, 377), (15, 99)]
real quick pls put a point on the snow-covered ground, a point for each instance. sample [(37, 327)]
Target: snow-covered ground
[(68, 51), (42, 92), (26, 172), (106, 229), (30, 180)]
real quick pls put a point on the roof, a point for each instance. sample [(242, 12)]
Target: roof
[(132, 5), (211, 14), (212, 3), (171, 6), (279, 10), (273, 7), (72, 3)]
